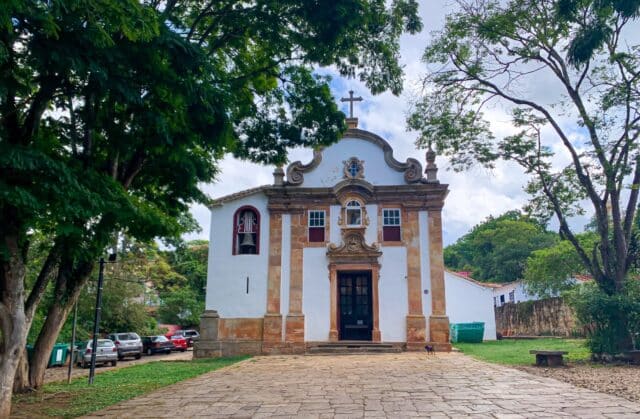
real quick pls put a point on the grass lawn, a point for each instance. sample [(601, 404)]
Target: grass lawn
[(516, 352), (110, 387)]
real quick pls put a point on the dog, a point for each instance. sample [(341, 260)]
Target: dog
[(430, 350)]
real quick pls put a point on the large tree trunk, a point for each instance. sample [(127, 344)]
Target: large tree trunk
[(13, 319), (56, 317), (21, 382), (69, 282)]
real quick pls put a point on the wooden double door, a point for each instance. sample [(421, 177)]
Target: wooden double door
[(355, 305)]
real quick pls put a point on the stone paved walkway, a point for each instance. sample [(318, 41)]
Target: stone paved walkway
[(393, 385)]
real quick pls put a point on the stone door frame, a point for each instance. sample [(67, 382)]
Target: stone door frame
[(334, 268)]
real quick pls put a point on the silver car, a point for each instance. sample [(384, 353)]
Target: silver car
[(107, 353), (128, 344)]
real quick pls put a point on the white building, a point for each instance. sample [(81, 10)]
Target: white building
[(346, 247)]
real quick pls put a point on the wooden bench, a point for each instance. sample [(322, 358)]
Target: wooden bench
[(633, 356), (548, 358)]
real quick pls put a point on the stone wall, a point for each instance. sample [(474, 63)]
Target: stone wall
[(549, 317)]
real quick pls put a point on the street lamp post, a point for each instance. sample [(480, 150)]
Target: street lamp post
[(96, 319)]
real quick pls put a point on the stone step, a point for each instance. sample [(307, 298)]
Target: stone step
[(353, 348)]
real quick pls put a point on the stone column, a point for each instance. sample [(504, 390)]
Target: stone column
[(333, 313), (208, 346), (272, 329), (295, 317), (438, 321), (416, 322)]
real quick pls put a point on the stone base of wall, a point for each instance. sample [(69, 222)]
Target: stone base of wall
[(416, 330), (283, 348), (439, 333), (208, 349)]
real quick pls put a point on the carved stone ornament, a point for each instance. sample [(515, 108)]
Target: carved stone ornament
[(353, 168), (296, 170), (412, 169), (353, 247)]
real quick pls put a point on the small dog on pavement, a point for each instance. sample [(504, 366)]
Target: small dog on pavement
[(430, 350)]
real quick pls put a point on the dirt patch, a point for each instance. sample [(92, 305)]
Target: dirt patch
[(619, 380)]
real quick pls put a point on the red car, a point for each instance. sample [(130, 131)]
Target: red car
[(179, 343)]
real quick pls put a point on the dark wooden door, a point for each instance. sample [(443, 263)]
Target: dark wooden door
[(356, 316)]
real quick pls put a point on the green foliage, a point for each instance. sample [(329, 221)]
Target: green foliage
[(495, 54), (599, 15), (607, 318), (190, 260), (497, 249), (549, 271), (111, 387), (516, 352), (182, 307)]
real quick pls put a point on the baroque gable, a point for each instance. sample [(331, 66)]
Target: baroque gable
[(411, 169)]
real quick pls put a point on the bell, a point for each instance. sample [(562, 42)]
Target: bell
[(247, 240)]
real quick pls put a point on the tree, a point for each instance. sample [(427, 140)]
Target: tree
[(119, 109), (514, 54), (190, 260), (182, 307), (497, 249), (552, 270)]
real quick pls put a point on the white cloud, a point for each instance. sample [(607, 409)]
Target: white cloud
[(474, 195)]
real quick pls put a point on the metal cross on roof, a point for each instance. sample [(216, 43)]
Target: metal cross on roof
[(351, 99)]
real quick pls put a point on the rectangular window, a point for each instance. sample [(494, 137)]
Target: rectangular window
[(391, 225), (512, 296), (316, 226)]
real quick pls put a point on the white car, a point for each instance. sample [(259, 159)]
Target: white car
[(128, 344), (107, 353)]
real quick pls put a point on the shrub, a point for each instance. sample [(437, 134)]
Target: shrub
[(609, 320)]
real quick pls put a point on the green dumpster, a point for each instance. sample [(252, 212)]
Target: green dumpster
[(467, 332), (58, 355)]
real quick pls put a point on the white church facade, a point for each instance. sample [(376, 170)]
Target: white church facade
[(347, 247)]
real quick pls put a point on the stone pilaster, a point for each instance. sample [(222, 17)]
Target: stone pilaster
[(416, 322), (272, 331), (438, 322), (294, 332)]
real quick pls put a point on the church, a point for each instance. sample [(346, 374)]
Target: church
[(344, 248)]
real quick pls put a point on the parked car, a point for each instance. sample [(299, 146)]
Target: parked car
[(154, 344), (128, 344), (107, 353), (179, 343), (191, 336)]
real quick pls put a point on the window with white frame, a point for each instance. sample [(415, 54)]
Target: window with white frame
[(316, 225), (391, 224), (353, 214)]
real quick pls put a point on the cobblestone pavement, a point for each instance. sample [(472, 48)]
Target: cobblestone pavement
[(389, 385), (54, 374)]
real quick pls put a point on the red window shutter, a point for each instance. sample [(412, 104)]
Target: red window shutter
[(316, 234), (391, 233)]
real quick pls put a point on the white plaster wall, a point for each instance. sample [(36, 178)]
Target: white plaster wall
[(468, 302), (392, 291), (371, 233), (316, 299), (334, 228), (227, 273), (285, 274), (330, 170)]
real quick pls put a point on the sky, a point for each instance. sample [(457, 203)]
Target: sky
[(474, 194)]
